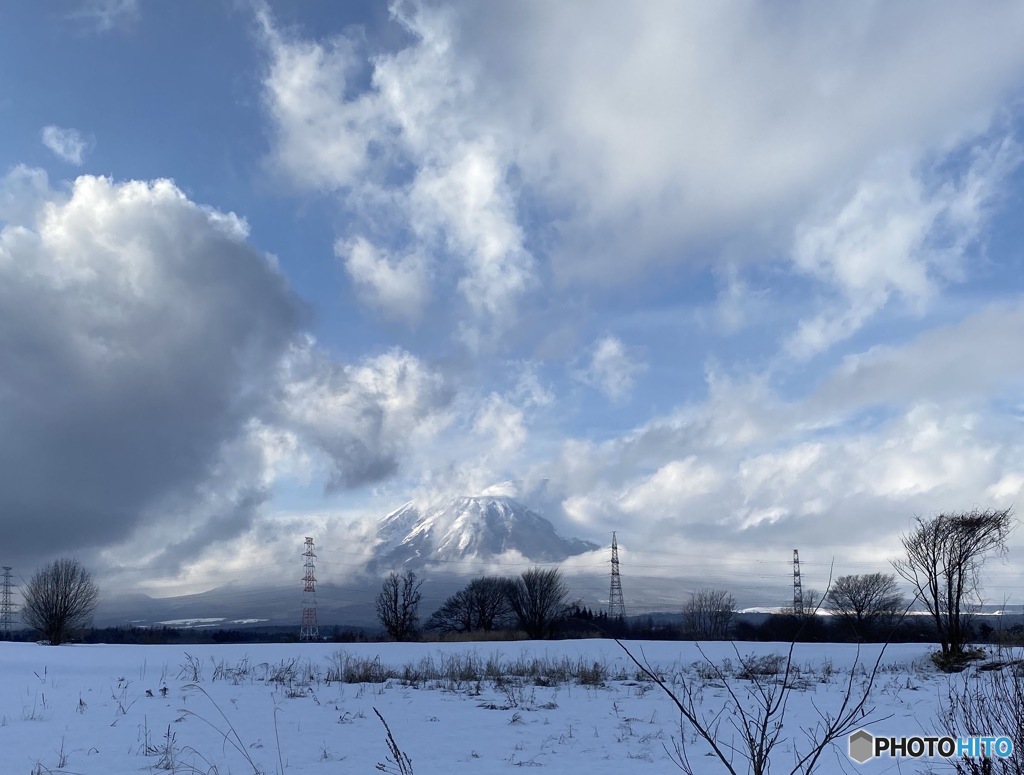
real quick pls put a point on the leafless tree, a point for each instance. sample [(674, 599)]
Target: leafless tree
[(708, 614), (398, 605), (59, 599), (749, 724), (481, 605), (538, 599), (866, 602), (984, 702), (943, 564), (810, 603)]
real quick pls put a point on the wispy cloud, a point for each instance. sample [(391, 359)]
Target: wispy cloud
[(904, 231), (105, 15), (68, 144), (613, 368)]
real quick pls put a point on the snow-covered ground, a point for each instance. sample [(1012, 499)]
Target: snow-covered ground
[(271, 708)]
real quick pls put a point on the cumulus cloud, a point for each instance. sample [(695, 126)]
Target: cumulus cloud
[(613, 369), (67, 144), (156, 382), (137, 329)]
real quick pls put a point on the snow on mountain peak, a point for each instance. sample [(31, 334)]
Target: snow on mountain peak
[(470, 528)]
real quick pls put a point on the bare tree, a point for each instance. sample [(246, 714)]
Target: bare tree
[(538, 598), (988, 699), (481, 605), (865, 602), (59, 599), (943, 564), (398, 605), (749, 725), (708, 614), (810, 602)]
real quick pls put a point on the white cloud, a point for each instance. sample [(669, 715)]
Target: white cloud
[(362, 417), (458, 202), (323, 137), (139, 327), (979, 355), (105, 15), (23, 191), (670, 487), (495, 131), (744, 474), (503, 421), (504, 418), (398, 286), (654, 154), (613, 369), (896, 234), (737, 307), (468, 202), (67, 144), (153, 364)]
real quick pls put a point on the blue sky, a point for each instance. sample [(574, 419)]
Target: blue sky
[(728, 279)]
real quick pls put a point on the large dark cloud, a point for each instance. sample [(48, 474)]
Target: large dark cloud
[(139, 333)]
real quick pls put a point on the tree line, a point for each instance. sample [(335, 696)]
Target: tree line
[(942, 564), (536, 602)]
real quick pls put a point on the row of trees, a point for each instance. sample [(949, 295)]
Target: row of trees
[(866, 605), (537, 602), (944, 557)]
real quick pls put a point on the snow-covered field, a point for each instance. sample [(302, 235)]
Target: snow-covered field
[(273, 708)]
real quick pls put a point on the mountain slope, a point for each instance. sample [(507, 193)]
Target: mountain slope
[(469, 528)]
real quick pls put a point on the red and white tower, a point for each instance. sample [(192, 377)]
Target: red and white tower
[(309, 629)]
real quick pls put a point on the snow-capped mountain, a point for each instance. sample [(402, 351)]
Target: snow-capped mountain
[(470, 528)]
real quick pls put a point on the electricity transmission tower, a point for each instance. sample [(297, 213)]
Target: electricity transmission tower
[(616, 605), (309, 629), (6, 606), (798, 593)]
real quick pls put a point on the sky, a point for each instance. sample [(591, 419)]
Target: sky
[(728, 279)]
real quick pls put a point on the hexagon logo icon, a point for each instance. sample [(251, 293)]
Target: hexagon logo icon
[(862, 746)]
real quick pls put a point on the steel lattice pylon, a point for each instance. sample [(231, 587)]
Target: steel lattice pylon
[(616, 604), (6, 606), (309, 629), (798, 594)]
